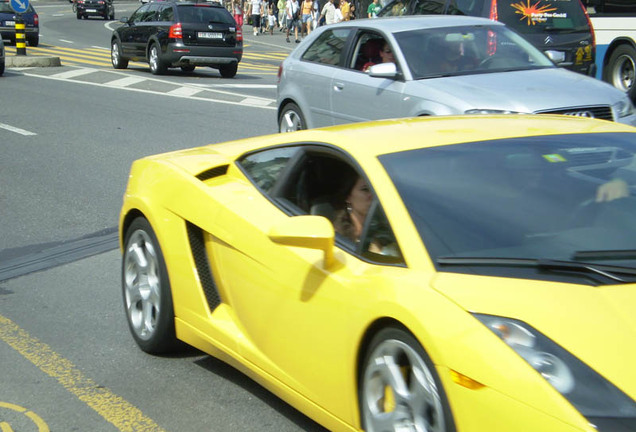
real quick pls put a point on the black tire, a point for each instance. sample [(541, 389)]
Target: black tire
[(425, 405), (157, 66), (228, 70), (79, 16), (146, 290), (291, 119), (188, 68), (34, 40), (621, 70), (2, 68), (116, 56)]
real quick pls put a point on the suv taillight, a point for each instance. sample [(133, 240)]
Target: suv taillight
[(176, 32), (36, 20)]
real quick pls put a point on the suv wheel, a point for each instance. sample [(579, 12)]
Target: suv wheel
[(228, 70), (115, 56), (157, 66), (34, 41)]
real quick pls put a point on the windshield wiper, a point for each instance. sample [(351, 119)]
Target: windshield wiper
[(610, 272), (618, 254)]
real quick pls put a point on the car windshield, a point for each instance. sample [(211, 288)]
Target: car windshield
[(560, 197), (202, 13), (467, 50)]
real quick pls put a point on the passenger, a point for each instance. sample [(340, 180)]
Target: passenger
[(386, 56), (356, 198)]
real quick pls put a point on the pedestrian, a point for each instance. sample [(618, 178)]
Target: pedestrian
[(238, 13), (373, 9), (337, 13), (293, 18), (329, 12), (307, 8), (271, 18), (315, 12), (256, 11), (282, 14), (345, 10)]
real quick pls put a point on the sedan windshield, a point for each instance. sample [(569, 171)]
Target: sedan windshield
[(466, 50), (562, 197)]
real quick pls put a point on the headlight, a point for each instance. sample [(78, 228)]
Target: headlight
[(590, 393), (624, 107), (489, 111)]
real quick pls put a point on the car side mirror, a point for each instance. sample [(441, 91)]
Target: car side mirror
[(123, 20), (384, 70), (313, 232)]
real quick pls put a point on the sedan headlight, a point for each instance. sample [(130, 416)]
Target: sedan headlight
[(590, 393), (624, 107)]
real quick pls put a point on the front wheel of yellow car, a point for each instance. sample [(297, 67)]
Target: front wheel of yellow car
[(399, 387), (146, 290)]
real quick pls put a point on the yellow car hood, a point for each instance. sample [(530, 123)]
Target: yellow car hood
[(595, 324)]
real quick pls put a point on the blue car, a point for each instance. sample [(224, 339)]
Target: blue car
[(7, 24)]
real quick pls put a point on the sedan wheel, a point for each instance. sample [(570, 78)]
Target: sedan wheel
[(399, 388), (291, 119), (146, 290), (115, 56), (157, 67)]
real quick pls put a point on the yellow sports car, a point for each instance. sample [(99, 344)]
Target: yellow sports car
[(433, 274)]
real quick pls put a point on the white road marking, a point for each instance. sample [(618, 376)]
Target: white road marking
[(254, 101), (67, 41), (246, 86), (185, 91), (16, 130), (74, 73), (125, 82)]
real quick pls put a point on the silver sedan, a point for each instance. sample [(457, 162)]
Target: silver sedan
[(373, 69)]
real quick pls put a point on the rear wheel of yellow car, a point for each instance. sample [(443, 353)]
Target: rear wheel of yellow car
[(399, 388), (146, 290)]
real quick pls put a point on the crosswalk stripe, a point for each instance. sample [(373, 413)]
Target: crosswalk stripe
[(125, 82), (185, 91), (74, 73)]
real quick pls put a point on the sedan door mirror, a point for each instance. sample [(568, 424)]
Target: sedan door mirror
[(313, 232), (384, 70), (123, 20)]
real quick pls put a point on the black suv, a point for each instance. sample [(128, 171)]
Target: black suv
[(175, 34), (101, 8), (559, 28)]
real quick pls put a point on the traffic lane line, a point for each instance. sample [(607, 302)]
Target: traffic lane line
[(36, 419), (114, 409), (16, 130)]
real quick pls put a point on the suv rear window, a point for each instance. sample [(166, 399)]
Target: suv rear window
[(204, 14), (537, 17)]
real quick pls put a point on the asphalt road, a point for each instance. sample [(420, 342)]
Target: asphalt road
[(67, 137)]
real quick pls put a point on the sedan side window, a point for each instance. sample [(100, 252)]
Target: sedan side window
[(265, 167), (328, 47)]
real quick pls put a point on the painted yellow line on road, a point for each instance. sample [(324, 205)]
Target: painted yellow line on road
[(5, 427), (111, 407)]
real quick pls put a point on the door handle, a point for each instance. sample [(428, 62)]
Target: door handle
[(339, 86)]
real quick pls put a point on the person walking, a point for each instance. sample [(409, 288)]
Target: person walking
[(293, 18), (329, 12), (373, 9), (271, 18), (238, 12), (307, 7), (282, 15), (256, 11)]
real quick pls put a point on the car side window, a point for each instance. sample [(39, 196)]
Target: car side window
[(265, 167), (152, 13), (378, 242), (137, 16), (367, 51), (328, 48), (166, 13)]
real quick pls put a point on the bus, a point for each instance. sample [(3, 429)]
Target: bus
[(614, 23)]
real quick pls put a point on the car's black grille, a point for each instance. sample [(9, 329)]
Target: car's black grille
[(602, 112), (202, 264)]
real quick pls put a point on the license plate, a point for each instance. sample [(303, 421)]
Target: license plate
[(9, 23), (209, 35), (91, 10)]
